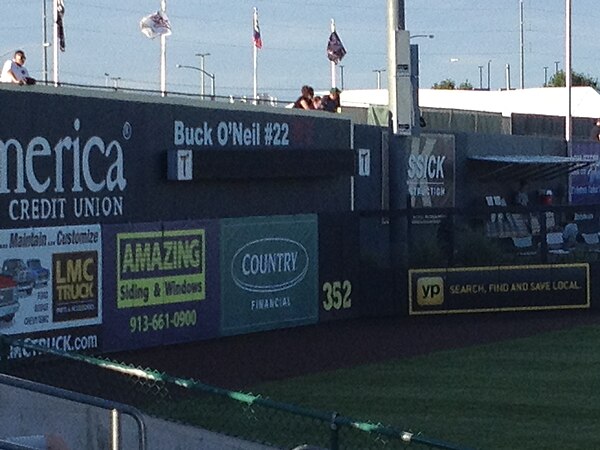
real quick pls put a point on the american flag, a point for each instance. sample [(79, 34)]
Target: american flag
[(156, 24), (256, 31)]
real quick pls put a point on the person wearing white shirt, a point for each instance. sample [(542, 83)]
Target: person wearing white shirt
[(14, 70)]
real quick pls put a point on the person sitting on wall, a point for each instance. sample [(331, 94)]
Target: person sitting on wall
[(14, 70)]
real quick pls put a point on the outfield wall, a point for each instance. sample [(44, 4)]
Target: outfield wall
[(166, 221)]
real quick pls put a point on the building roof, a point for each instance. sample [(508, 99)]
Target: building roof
[(550, 101)]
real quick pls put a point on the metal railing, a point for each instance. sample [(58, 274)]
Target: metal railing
[(116, 409)]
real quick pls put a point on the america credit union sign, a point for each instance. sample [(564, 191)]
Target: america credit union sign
[(72, 177)]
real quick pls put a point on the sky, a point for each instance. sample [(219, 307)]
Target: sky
[(103, 37)]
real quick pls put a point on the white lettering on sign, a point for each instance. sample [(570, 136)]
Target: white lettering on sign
[(426, 166), (68, 152), (231, 134), (91, 166)]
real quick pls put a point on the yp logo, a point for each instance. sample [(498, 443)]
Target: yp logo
[(430, 291)]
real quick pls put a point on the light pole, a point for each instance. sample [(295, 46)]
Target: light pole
[(428, 36), (414, 36), (378, 72), (116, 82), (203, 72), (521, 47), (556, 63), (202, 56), (106, 80), (488, 74), (480, 78), (545, 76)]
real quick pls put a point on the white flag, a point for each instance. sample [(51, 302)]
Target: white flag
[(156, 24)]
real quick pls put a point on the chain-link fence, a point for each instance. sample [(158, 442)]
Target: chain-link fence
[(243, 415)]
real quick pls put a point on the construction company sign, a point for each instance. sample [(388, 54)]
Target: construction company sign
[(74, 177), (430, 172)]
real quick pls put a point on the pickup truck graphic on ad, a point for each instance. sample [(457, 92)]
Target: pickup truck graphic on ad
[(42, 275), (8, 298), (21, 274)]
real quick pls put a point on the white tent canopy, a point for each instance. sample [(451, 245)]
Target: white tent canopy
[(539, 101)]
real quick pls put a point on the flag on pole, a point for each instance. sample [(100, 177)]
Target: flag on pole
[(256, 31), (154, 25), (335, 48), (60, 10)]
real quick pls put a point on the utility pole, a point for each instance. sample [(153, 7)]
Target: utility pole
[(568, 74), (400, 95)]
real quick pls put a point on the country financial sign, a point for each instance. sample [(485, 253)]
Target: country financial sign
[(269, 268)]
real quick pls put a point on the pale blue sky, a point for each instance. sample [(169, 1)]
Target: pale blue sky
[(103, 37)]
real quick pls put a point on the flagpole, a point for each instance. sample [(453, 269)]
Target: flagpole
[(45, 42), (163, 55), (56, 44), (255, 78), (332, 64)]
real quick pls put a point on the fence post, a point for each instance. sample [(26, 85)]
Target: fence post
[(333, 426)]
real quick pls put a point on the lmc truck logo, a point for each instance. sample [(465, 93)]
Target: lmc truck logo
[(269, 265)]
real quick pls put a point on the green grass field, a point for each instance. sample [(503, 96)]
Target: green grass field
[(541, 392)]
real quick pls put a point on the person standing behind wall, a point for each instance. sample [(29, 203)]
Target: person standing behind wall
[(14, 70), (305, 101), (595, 132), (331, 102), (522, 196)]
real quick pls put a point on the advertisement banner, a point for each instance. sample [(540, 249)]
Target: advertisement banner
[(269, 269), (161, 284), (510, 288), (50, 278), (430, 174), (584, 184)]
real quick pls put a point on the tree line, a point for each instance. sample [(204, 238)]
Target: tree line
[(557, 80)]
